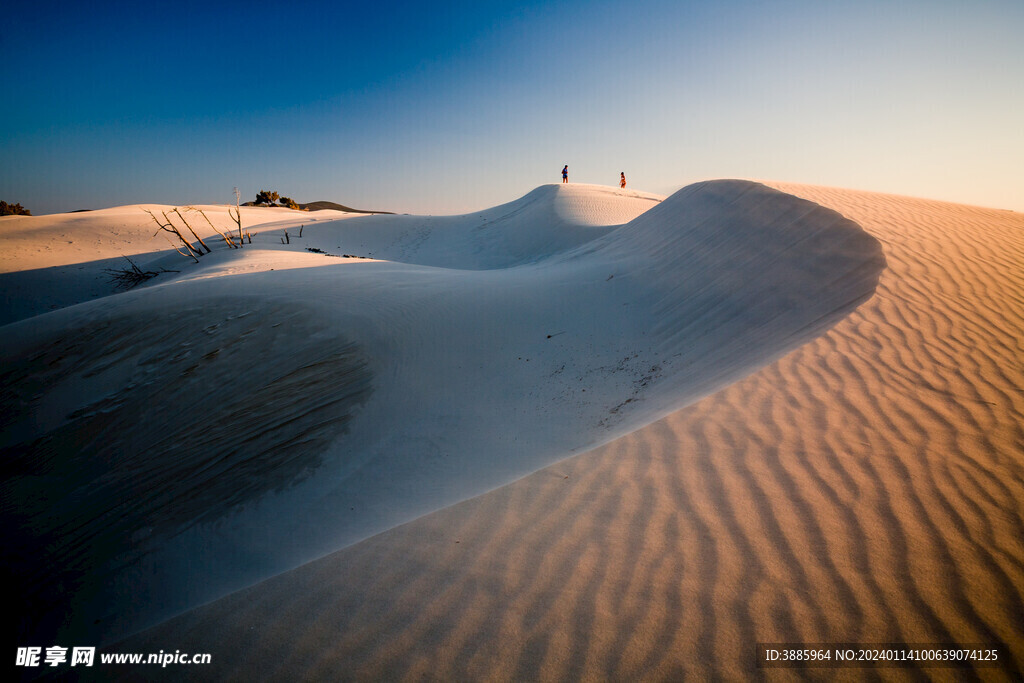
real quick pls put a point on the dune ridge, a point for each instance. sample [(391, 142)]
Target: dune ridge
[(865, 487), (546, 221)]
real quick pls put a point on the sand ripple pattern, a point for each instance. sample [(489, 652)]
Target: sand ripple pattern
[(866, 487)]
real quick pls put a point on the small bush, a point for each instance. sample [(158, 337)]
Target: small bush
[(266, 198), (13, 210)]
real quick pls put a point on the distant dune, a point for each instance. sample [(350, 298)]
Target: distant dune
[(325, 206), (795, 412)]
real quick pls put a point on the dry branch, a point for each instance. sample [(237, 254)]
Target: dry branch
[(178, 249), (194, 234), (224, 236), (169, 227), (132, 277), (237, 217)]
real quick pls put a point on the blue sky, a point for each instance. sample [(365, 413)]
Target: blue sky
[(455, 106)]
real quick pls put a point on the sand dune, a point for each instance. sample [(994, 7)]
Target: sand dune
[(547, 221), (867, 487), (168, 445), (51, 262)]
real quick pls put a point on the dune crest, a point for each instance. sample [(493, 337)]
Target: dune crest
[(548, 220), (404, 387)]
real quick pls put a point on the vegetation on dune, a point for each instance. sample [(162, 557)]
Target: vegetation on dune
[(267, 198), (273, 198), (182, 244), (13, 210)]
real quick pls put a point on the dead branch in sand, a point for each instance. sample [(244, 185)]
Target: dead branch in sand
[(178, 249), (237, 217), (170, 227), (133, 276), (227, 238), (194, 234)]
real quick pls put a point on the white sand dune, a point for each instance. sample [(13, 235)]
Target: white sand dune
[(866, 487), (168, 445), (548, 220), (51, 262)]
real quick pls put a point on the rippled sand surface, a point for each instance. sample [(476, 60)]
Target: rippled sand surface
[(866, 487)]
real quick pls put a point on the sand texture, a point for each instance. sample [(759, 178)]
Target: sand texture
[(867, 486), (264, 407)]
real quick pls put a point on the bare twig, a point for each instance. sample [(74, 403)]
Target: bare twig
[(225, 237), (169, 227), (178, 249), (237, 217), (132, 277), (191, 247), (194, 233)]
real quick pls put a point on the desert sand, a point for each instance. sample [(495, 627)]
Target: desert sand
[(796, 415)]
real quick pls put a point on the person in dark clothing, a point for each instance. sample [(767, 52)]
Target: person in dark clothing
[(565, 173)]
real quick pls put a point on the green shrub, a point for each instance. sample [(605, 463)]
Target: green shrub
[(13, 210), (266, 198)]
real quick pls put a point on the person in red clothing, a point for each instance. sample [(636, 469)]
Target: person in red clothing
[(622, 180)]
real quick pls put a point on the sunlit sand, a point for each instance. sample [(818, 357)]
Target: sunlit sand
[(592, 433)]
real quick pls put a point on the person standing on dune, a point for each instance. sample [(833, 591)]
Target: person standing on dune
[(622, 180), (565, 173)]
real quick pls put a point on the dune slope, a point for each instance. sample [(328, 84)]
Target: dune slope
[(865, 487), (239, 420), (52, 262)]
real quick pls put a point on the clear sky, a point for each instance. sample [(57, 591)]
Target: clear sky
[(447, 107)]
